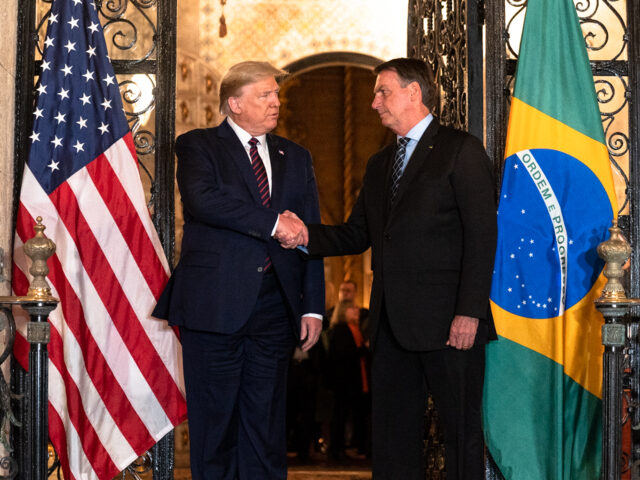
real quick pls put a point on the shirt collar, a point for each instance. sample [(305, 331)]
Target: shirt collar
[(419, 128), (245, 136)]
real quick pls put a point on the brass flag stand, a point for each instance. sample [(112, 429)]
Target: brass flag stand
[(38, 303), (614, 306)]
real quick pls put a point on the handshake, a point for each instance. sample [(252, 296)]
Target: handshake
[(291, 231)]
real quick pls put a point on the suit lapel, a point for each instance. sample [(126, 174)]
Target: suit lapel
[(417, 160), (238, 155), (278, 159)]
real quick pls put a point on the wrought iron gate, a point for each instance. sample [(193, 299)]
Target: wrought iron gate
[(141, 38), (447, 33)]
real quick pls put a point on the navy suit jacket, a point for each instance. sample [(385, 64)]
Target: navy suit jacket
[(433, 248), (227, 232)]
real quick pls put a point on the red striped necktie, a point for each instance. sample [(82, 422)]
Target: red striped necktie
[(263, 182)]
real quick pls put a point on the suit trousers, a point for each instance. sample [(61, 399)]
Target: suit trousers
[(236, 393), (401, 382)]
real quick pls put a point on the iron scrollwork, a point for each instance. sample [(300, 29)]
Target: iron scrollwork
[(599, 34), (441, 28), (599, 19), (54, 466), (612, 106), (516, 18), (121, 27), (139, 102), (8, 465)]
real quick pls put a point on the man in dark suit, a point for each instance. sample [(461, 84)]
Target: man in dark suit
[(427, 209), (239, 299)]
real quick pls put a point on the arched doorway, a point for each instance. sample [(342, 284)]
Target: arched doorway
[(326, 107)]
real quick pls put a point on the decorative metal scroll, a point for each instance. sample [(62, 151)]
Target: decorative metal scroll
[(141, 39), (447, 35), (8, 465)]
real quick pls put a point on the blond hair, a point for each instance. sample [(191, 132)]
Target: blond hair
[(241, 74)]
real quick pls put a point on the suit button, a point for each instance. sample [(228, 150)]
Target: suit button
[(387, 236), (260, 269)]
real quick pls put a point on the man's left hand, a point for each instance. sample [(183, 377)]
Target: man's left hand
[(463, 332), (310, 332)]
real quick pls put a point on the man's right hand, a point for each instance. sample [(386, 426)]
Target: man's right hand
[(291, 231)]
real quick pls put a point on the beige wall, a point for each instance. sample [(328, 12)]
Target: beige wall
[(8, 33), (283, 31)]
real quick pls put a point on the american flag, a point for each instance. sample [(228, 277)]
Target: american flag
[(115, 381)]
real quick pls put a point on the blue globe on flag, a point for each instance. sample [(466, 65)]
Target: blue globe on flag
[(549, 230)]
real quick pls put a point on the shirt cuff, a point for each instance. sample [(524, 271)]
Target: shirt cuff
[(314, 315), (275, 227)]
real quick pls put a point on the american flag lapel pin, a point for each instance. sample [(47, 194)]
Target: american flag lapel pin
[(281, 152)]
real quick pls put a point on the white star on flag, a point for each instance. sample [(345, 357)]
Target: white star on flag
[(57, 142)]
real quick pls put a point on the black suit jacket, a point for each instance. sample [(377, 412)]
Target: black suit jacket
[(227, 232), (433, 249)]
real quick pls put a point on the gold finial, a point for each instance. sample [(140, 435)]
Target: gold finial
[(39, 249), (615, 253)]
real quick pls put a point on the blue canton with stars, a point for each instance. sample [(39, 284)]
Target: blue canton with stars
[(79, 110), (527, 275)]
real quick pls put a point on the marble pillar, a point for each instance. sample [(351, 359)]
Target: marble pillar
[(8, 32)]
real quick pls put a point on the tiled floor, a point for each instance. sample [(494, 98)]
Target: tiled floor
[(317, 467)]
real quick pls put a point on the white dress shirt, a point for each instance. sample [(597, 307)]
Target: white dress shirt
[(414, 135), (263, 151)]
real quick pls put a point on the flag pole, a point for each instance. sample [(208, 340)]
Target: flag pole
[(614, 306), (38, 303)]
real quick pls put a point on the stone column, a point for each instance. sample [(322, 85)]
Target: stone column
[(8, 36), (8, 33)]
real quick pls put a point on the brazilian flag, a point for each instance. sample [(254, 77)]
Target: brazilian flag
[(543, 385)]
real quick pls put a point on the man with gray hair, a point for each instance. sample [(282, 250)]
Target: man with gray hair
[(426, 208), (240, 301)]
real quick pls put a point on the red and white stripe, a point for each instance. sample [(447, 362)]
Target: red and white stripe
[(115, 373)]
